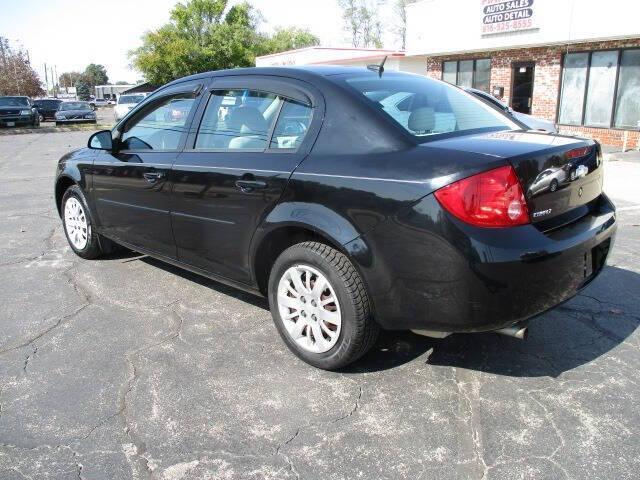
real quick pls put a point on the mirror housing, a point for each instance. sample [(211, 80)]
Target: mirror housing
[(101, 140)]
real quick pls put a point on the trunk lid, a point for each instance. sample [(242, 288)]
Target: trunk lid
[(560, 175)]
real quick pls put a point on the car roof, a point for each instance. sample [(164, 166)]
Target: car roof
[(300, 72)]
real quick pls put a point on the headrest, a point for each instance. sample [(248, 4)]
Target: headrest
[(247, 120), (422, 120)]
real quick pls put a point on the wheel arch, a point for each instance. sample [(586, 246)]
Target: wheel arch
[(295, 222), (62, 185)]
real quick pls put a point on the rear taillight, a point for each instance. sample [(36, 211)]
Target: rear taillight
[(488, 199)]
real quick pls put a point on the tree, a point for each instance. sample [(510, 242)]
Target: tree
[(400, 9), (69, 79), (361, 22), (122, 82), (201, 35), (95, 75), (289, 39), (17, 77), (83, 90)]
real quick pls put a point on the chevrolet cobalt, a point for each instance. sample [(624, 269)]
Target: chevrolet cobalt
[(303, 185)]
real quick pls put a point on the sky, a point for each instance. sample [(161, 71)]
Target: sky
[(70, 34)]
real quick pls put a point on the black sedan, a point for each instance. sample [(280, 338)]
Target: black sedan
[(75, 112), (18, 111), (47, 108), (302, 185)]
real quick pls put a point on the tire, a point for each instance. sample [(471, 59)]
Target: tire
[(40, 118), (554, 185), (57, 124), (355, 332), (93, 245)]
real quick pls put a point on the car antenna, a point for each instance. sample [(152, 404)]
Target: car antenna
[(378, 68)]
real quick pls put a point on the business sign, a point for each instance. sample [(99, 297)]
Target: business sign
[(499, 16)]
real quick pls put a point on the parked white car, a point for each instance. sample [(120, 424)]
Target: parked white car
[(125, 105)]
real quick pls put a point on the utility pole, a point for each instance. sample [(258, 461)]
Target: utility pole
[(46, 78)]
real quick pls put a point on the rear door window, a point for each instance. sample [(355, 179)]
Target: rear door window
[(292, 125), (238, 120)]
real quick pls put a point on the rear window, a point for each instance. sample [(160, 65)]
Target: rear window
[(130, 99), (427, 108)]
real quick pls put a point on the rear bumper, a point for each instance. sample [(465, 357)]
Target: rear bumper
[(427, 270)]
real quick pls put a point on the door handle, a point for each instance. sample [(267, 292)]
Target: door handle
[(248, 186), (152, 177)]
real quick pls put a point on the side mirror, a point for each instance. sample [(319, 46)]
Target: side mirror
[(101, 141)]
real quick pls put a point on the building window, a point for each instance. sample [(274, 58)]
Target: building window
[(601, 89), (468, 73)]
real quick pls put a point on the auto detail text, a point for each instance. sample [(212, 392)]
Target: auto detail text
[(506, 16)]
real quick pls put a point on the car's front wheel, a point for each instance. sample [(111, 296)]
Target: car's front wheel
[(76, 219), (320, 306)]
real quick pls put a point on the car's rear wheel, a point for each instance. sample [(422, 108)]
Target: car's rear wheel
[(554, 185), (320, 306), (76, 219)]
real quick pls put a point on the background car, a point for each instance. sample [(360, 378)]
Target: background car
[(125, 104), (100, 102), (47, 107), (75, 112), (534, 123), (18, 110)]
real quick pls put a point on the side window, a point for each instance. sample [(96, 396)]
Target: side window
[(161, 127), (292, 125), (237, 120)]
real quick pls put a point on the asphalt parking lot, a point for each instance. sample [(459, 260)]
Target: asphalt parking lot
[(128, 368)]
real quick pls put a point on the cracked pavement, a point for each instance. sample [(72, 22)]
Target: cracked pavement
[(126, 368)]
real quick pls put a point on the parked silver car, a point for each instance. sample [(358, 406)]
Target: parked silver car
[(534, 123)]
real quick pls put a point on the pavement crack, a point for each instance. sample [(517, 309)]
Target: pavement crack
[(356, 405), (28, 358), (286, 457), (61, 321)]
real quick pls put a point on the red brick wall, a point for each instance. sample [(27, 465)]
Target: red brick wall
[(546, 81)]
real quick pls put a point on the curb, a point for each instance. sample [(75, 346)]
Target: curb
[(77, 128)]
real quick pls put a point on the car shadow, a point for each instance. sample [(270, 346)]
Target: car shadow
[(578, 332), (599, 319), (207, 282)]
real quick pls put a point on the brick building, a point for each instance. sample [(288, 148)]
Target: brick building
[(574, 62)]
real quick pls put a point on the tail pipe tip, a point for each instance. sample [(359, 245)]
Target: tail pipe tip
[(516, 331)]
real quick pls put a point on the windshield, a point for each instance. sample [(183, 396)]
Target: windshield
[(75, 106), (426, 108), (130, 99), (14, 102)]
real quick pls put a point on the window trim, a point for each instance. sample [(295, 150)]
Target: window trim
[(473, 73), (582, 124)]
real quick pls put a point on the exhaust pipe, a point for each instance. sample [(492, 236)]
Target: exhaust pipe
[(516, 331)]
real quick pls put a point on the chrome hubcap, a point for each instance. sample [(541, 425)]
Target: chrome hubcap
[(309, 308), (76, 224)]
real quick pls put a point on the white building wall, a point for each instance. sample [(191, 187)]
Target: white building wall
[(449, 26)]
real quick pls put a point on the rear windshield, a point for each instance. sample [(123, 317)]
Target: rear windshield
[(74, 106), (427, 108), (130, 99), (14, 102), (48, 103)]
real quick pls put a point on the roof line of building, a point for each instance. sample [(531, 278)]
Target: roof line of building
[(297, 50)]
